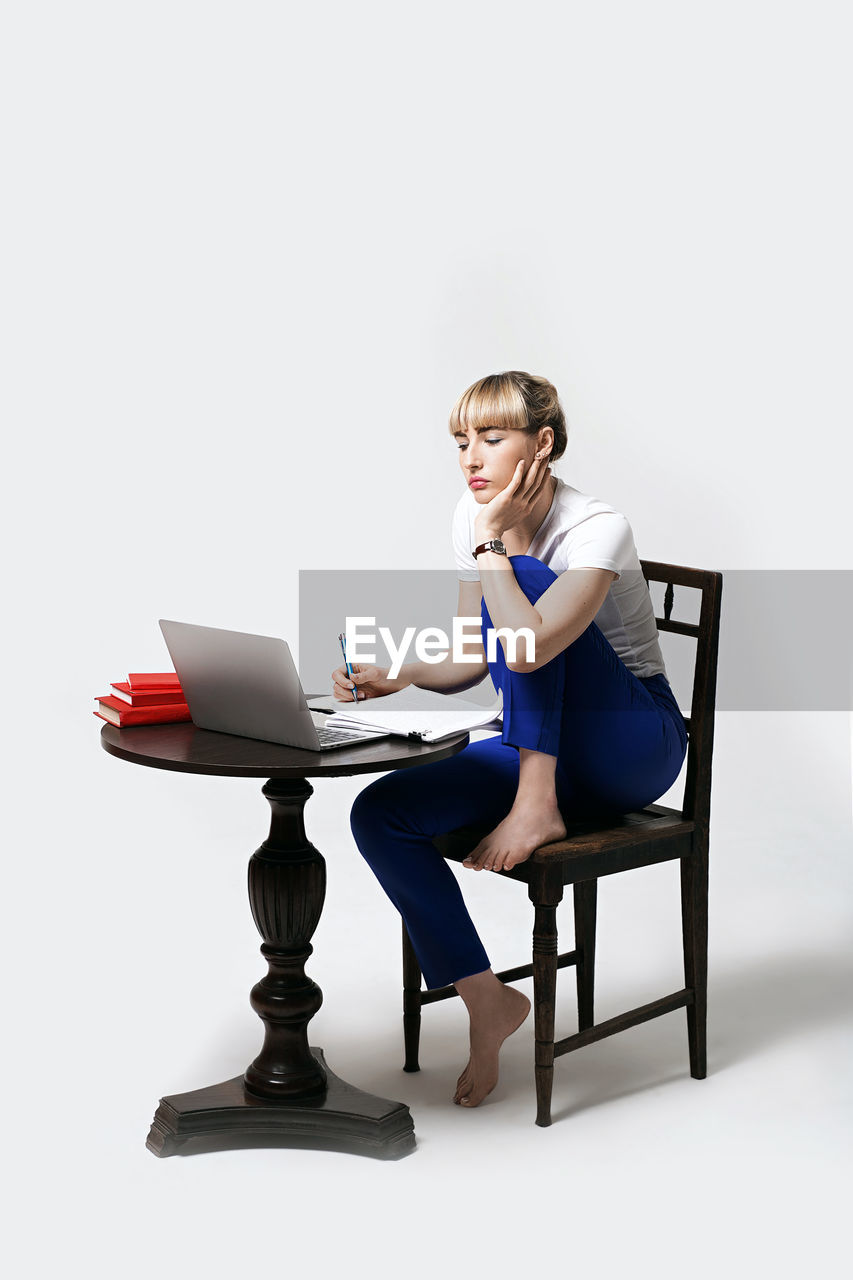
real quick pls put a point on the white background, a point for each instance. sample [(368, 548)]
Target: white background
[(252, 253)]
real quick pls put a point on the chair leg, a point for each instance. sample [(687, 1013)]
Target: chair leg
[(694, 926), (586, 895), (544, 1000), (411, 1003)]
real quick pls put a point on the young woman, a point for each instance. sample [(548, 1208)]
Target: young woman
[(590, 724)]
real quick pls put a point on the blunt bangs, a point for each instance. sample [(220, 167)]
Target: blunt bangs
[(494, 401)]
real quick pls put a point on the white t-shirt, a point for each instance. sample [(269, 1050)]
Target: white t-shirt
[(582, 532)]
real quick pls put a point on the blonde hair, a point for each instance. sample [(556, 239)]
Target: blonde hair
[(515, 401)]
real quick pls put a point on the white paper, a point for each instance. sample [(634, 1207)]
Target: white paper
[(424, 712)]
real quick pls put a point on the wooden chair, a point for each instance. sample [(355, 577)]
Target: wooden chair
[(602, 848)]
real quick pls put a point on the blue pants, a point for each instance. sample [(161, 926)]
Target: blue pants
[(619, 741)]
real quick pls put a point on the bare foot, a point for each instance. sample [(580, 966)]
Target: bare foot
[(493, 1020), (524, 829)]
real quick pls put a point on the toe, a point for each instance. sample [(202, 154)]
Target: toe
[(474, 856), (482, 856), (474, 1097), (463, 1084)]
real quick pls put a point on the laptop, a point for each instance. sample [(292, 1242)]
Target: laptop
[(248, 685)]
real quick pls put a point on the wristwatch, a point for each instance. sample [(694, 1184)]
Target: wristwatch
[(494, 544)]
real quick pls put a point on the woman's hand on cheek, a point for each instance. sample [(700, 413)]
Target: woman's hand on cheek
[(513, 504)]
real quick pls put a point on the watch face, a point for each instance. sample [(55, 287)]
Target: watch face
[(499, 546)]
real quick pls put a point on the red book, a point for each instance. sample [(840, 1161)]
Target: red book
[(155, 698), (119, 713), (147, 682)]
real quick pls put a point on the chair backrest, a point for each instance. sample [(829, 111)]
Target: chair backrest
[(700, 723)]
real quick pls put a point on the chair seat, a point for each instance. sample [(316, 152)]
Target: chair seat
[(656, 824)]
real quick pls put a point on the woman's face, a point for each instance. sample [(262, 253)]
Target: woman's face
[(488, 457)]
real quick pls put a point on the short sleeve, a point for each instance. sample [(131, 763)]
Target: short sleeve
[(604, 540), (466, 564)]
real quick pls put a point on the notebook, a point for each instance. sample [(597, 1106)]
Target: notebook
[(421, 714)]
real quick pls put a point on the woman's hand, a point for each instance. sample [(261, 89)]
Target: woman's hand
[(370, 682), (513, 504)]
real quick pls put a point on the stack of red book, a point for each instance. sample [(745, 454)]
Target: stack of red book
[(144, 698)]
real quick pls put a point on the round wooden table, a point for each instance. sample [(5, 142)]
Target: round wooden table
[(288, 1096)]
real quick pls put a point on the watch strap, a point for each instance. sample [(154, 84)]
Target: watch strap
[(493, 544)]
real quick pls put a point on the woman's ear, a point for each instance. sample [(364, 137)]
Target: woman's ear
[(546, 441)]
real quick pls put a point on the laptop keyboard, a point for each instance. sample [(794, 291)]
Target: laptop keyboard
[(330, 737)]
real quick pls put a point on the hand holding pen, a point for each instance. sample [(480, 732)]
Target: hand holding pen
[(372, 681)]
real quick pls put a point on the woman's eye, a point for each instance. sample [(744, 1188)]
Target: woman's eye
[(494, 440)]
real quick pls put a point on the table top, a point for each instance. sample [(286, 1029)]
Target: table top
[(187, 749)]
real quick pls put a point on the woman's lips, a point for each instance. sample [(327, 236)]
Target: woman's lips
[(477, 484)]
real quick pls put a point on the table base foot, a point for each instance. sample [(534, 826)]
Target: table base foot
[(226, 1117)]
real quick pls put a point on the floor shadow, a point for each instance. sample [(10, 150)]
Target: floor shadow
[(758, 1006), (779, 998), (754, 1007)]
